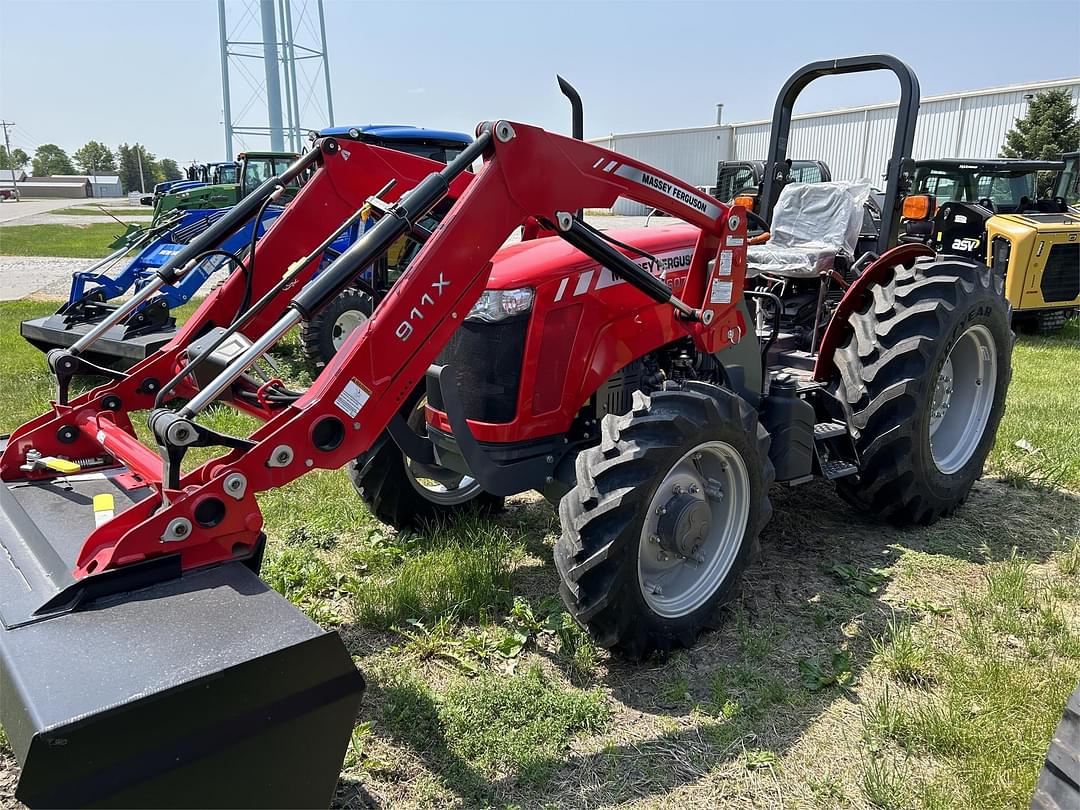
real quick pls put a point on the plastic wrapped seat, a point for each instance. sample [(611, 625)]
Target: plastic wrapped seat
[(812, 224)]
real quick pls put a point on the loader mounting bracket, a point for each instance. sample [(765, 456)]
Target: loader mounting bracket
[(495, 478)]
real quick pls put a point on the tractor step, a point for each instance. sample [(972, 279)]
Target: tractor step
[(194, 690), (829, 430), (837, 468)]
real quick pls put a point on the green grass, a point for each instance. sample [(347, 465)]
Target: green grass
[(89, 211), (458, 573), (1002, 680), (954, 651), (475, 730), (1043, 412), (90, 241)]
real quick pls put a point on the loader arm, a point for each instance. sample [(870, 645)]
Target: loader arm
[(210, 515), (348, 174)]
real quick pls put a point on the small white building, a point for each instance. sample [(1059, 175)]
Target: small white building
[(101, 185)]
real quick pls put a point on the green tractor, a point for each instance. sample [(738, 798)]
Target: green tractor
[(230, 182), (233, 183)]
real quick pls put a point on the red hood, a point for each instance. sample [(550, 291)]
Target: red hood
[(529, 264)]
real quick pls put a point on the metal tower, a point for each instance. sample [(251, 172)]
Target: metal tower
[(294, 78)]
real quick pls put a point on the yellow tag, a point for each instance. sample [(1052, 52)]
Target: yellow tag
[(61, 465), (103, 508), (365, 212)]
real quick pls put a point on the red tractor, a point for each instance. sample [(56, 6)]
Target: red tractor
[(656, 381), (879, 367)]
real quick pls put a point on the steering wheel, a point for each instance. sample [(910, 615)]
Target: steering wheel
[(755, 223), (986, 202)]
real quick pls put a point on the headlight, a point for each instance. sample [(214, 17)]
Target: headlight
[(498, 305)]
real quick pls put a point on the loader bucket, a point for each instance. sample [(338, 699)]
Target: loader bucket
[(155, 689)]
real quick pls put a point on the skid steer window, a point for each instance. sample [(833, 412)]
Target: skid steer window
[(732, 179)]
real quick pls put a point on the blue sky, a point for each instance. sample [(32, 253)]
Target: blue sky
[(149, 71)]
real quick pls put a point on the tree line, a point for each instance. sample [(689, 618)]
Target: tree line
[(93, 158)]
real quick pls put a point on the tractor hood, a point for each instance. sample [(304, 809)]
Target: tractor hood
[(530, 264)]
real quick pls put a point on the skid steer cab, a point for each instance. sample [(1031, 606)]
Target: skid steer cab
[(989, 210)]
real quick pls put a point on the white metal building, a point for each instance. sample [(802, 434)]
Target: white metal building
[(101, 185), (855, 141)]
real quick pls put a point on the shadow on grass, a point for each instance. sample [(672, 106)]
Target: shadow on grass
[(789, 648)]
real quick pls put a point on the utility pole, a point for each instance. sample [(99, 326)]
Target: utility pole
[(142, 183), (7, 145)]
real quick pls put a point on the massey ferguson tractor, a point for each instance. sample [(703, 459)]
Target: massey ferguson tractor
[(656, 382)]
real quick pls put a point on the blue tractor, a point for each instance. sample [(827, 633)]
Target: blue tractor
[(94, 291)]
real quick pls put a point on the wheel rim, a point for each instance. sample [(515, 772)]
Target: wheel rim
[(711, 485), (437, 484), (963, 399), (344, 325)]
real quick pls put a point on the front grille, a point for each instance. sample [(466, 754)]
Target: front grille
[(1061, 276), (486, 358)]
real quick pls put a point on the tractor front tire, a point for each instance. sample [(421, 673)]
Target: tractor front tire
[(323, 334), (663, 519), (922, 381), (1058, 787), (406, 495)]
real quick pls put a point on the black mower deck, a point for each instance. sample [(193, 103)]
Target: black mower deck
[(52, 332), (207, 689)]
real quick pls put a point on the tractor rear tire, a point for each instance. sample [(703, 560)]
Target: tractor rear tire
[(624, 576), (1058, 787), (322, 335), (916, 366), (399, 493)]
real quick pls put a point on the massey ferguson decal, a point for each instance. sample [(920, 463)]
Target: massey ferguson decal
[(671, 261), (677, 193)]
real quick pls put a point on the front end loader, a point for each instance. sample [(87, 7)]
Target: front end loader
[(162, 577)]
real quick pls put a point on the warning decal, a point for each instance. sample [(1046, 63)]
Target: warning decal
[(721, 292), (352, 397), (725, 263)]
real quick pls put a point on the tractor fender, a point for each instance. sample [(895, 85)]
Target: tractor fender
[(856, 295)]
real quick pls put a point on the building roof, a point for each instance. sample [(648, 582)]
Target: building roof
[(987, 91), (93, 178), (993, 164), (58, 180)]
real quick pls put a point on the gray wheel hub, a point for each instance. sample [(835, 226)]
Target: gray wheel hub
[(694, 529), (684, 524), (963, 398), (437, 484)]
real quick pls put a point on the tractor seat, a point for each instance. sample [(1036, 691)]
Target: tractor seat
[(812, 224)]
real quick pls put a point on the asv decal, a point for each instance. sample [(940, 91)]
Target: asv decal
[(966, 244), (406, 328)]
